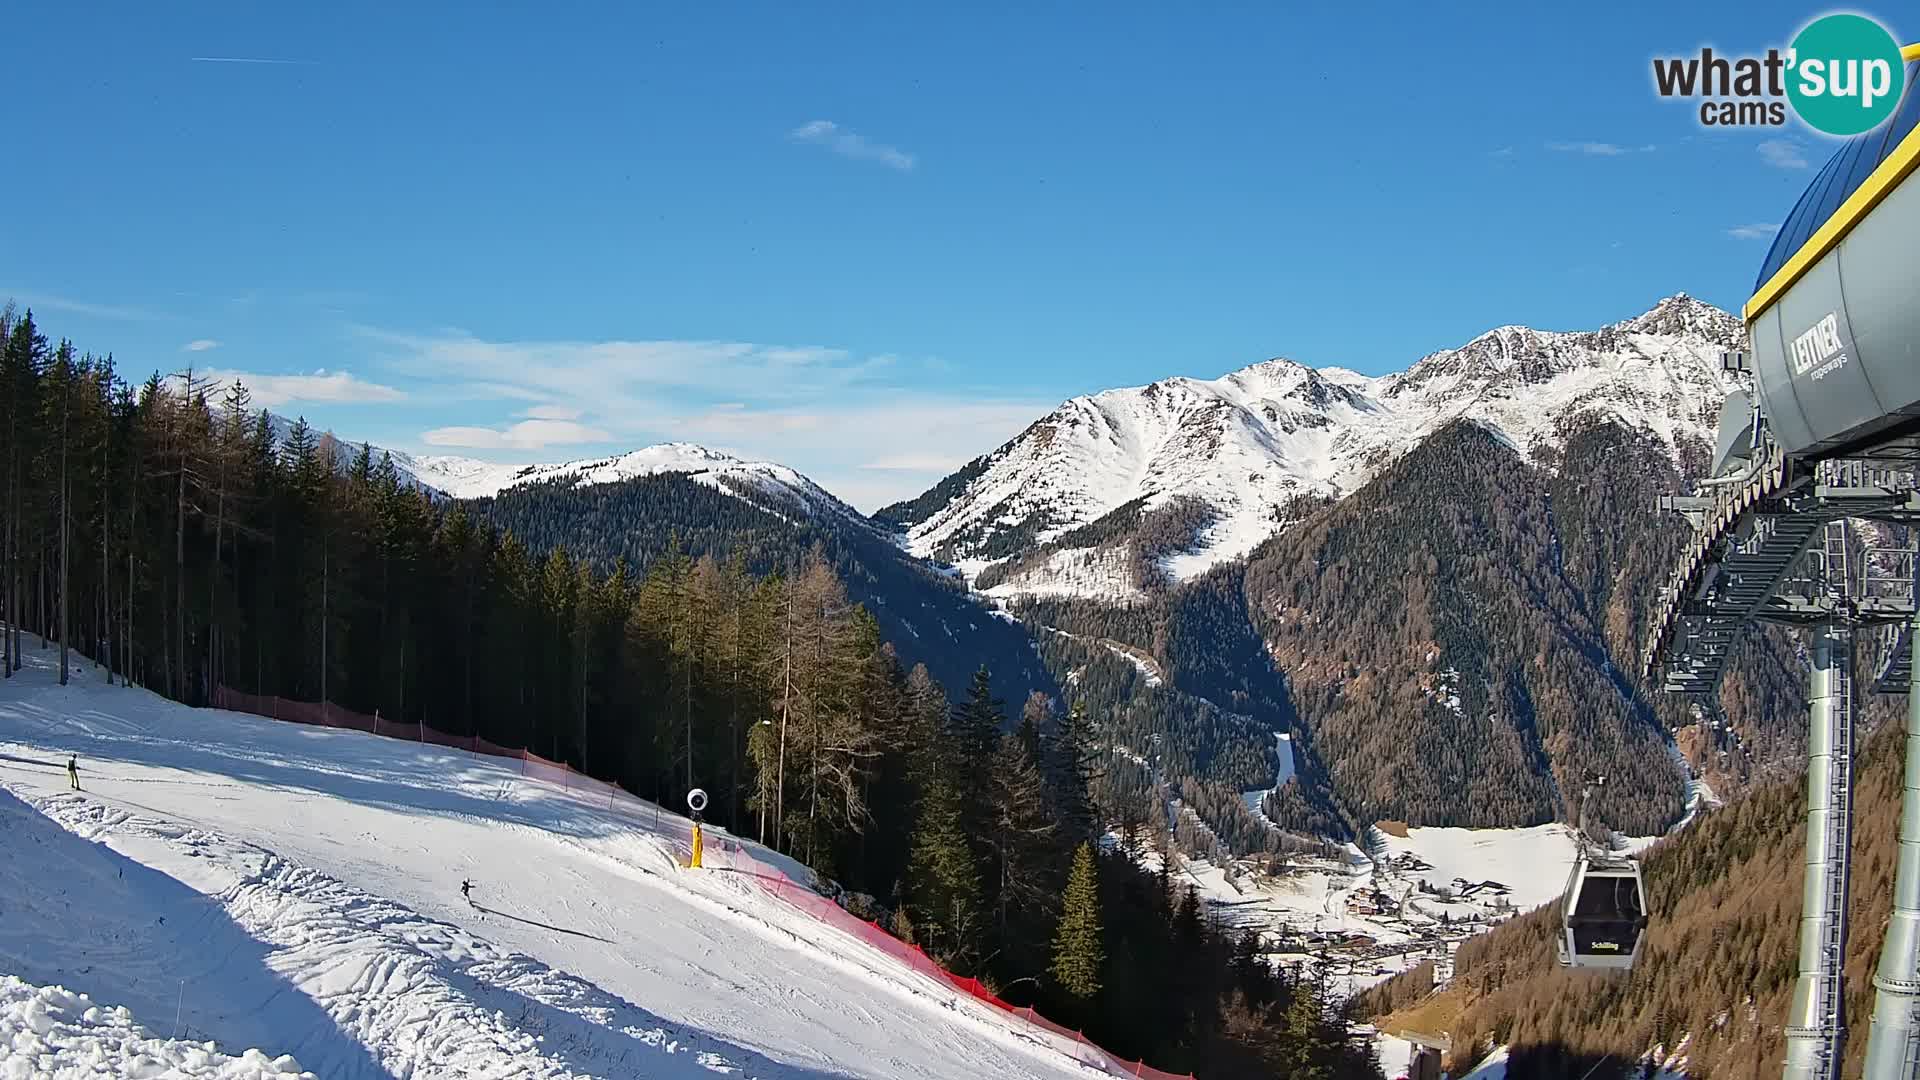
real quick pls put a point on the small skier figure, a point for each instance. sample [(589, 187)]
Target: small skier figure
[(466, 892), (73, 771)]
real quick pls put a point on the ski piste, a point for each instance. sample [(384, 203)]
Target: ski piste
[(217, 860)]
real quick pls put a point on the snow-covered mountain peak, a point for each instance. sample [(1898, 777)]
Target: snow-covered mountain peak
[(1681, 314), (1245, 447)]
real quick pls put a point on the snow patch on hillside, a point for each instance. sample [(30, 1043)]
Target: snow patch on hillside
[(1102, 573), (1492, 1067)]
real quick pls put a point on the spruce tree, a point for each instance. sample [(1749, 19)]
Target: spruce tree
[(974, 734), (943, 882), (1077, 951), (1070, 767)]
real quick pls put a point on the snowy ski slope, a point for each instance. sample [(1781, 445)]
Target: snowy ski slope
[(266, 886)]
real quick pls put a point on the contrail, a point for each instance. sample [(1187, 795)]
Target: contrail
[(244, 60)]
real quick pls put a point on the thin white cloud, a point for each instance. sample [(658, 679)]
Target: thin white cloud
[(47, 302), (245, 60), (912, 462), (200, 345), (871, 449), (848, 144), (1503, 152), (1759, 231), (1600, 149), (525, 435), (609, 378), (863, 426), (1783, 153), (273, 391)]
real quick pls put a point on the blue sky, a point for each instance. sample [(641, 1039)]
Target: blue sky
[(870, 241)]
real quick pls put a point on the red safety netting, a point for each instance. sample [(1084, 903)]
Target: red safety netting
[(333, 716), (768, 876)]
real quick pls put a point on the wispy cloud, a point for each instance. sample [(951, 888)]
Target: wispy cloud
[(865, 426), (116, 312), (246, 60), (919, 462), (525, 435), (1600, 149), (273, 391), (906, 441), (1753, 232), (1502, 152), (847, 144), (200, 345), (1783, 153), (607, 378)]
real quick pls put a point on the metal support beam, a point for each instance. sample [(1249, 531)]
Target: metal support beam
[(1893, 1042), (1816, 1020)]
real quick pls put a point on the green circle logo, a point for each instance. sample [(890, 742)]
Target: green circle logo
[(1846, 74)]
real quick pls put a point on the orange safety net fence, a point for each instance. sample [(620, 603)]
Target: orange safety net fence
[(769, 877)]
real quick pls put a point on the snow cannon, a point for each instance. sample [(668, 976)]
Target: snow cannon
[(1833, 329), (696, 802)]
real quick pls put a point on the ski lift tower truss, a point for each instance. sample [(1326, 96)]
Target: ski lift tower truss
[(1780, 545), (1830, 437), (1774, 547)]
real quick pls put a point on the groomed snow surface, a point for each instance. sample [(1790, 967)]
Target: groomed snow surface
[(239, 897)]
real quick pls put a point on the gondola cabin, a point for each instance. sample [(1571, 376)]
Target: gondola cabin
[(1604, 914)]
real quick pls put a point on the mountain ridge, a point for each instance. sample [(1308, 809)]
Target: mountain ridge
[(767, 485), (1250, 443)]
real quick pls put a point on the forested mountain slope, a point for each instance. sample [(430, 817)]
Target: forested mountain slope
[(1436, 582), (1718, 967), (168, 528), (1451, 670), (929, 617), (1454, 644)]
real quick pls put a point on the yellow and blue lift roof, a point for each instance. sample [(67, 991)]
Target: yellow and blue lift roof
[(1858, 176)]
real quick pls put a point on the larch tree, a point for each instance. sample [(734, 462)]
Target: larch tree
[(1078, 952), (1020, 835)]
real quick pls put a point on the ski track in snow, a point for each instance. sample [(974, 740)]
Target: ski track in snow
[(295, 890), (1287, 769), (1247, 443)]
